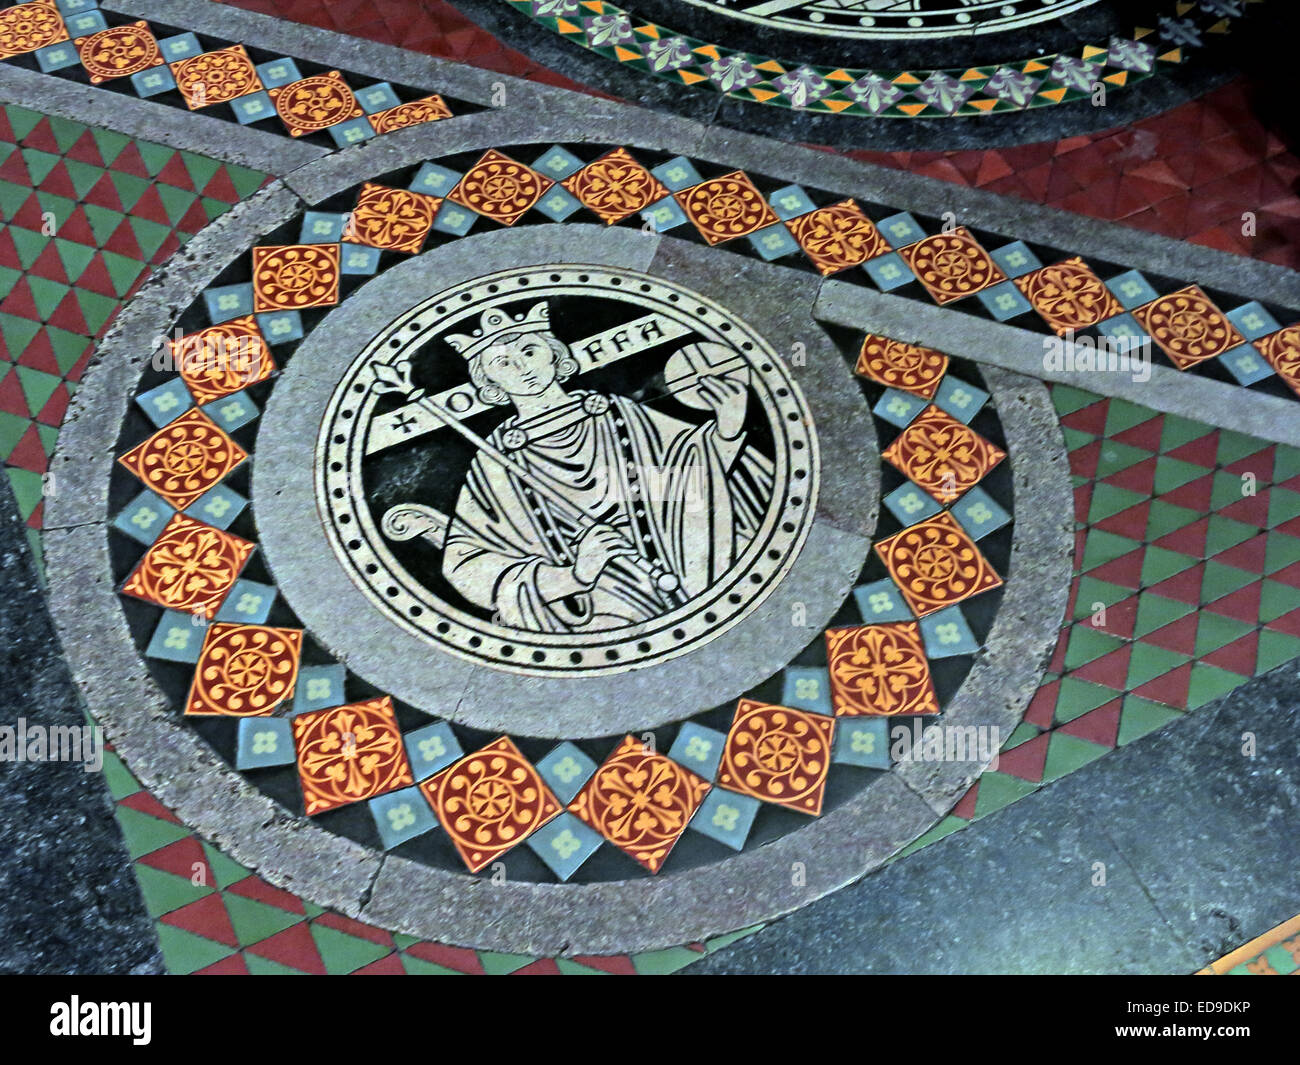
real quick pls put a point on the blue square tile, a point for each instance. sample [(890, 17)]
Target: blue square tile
[(277, 72), (807, 688), (322, 227), (178, 637), (358, 259), (862, 741), (264, 742), (57, 57), (790, 202), (557, 203), (232, 411), (319, 687), (959, 399), (374, 98), (1123, 330), (1131, 289), (401, 816), (1004, 301), (677, 174), (435, 180), (228, 301), (219, 506), (909, 504), (248, 603), (254, 107), (279, 327), (353, 131), (165, 403), (1246, 364), (455, 219), (1252, 321), (71, 7), (1015, 259), (901, 230), (430, 748), (153, 81), (881, 601), (898, 408), (978, 514), (726, 816), (557, 163), (889, 271), (772, 242), (946, 633), (84, 23), (664, 215), (182, 46), (698, 748), (144, 517), (565, 770), (564, 844)]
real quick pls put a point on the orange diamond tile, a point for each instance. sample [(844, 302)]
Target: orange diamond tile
[(216, 77), (726, 207), (349, 753), (942, 455), (27, 27), (1188, 326), (244, 670), (222, 359), (490, 800), (499, 188), (952, 265), (394, 219), (880, 670), (119, 52), (1282, 350), (185, 458), (837, 237), (640, 801), (1068, 295), (935, 564), (778, 755), (907, 367), (412, 113), (292, 277), (315, 103), (615, 186), (191, 567)]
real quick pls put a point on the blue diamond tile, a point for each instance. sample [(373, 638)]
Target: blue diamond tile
[(144, 517), (807, 688), (664, 215), (430, 748), (909, 504), (353, 131), (698, 748), (1252, 321), (57, 57), (278, 72), (558, 203), (165, 403), (772, 242), (564, 844), (565, 770), (232, 411), (946, 634), (322, 227), (1015, 259), (279, 327), (901, 229), (375, 98), (889, 271), (1123, 331), (358, 259), (319, 687), (152, 81), (1004, 301), (677, 174), (401, 816), (254, 107), (264, 742), (454, 219), (790, 202), (959, 399), (726, 816), (435, 180), (1131, 289), (219, 506), (71, 7), (1246, 364), (182, 46), (248, 603), (228, 301), (881, 601), (84, 23), (898, 408), (178, 637), (557, 163), (978, 514), (861, 741)]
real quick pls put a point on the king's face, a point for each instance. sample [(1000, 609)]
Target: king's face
[(523, 367)]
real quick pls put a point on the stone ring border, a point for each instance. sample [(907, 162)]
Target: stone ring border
[(538, 919)]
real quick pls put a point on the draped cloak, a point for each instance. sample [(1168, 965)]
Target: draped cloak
[(687, 499)]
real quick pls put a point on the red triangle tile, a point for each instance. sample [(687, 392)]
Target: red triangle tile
[(36, 519), (1288, 623), (49, 266), (96, 278), (175, 173), (129, 161), (965, 808), (389, 965), (257, 889), (1260, 464), (1080, 536), (67, 315), (1288, 575), (1140, 477), (103, 193), (355, 928), (145, 803), (1247, 555), (617, 964), (20, 303), (293, 947), (85, 150), (1099, 726), (1178, 636), (1057, 662), (28, 453), (1253, 510), (39, 355), (231, 966), (1237, 657), (6, 130), (1145, 435), (59, 182), (122, 241), (1203, 451), (8, 250), (30, 215), (194, 219), (1110, 670), (220, 187), (150, 206), (1182, 587), (541, 967), (1083, 500), (206, 917), (12, 400), (1121, 618), (14, 170), (992, 167), (77, 229), (42, 138), (1125, 570), (462, 959), (1170, 689), (1189, 540), (181, 858), (1241, 605), (1089, 419), (1194, 495)]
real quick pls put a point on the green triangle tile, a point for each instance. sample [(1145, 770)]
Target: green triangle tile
[(39, 164), (1286, 463), (259, 966), (1149, 662), (59, 206), (1065, 754), (572, 968), (498, 964), (103, 221), (6, 150), (248, 181), (420, 967), (1108, 500), (402, 940), (226, 870), (1178, 431), (200, 167), (21, 120), (184, 952), (75, 257), (1209, 682), (1280, 551), (149, 235), (8, 278), (12, 197), (84, 175), (49, 436), (1214, 631), (1022, 734), (109, 143), (312, 909), (12, 429), (122, 271), (28, 244), (1077, 697), (255, 921), (946, 827), (1283, 505), (1226, 491), (1067, 400), (1225, 533), (998, 790), (96, 309), (155, 156), (38, 554), (1116, 456), (1174, 473), (47, 295), (1165, 518), (1220, 580), (66, 132), (715, 944), (1087, 645), (1093, 591), (1277, 599), (1234, 446), (1140, 717), (17, 332), (664, 962), (129, 188), (214, 208), (145, 834), (175, 201), (164, 892), (27, 489), (1101, 547), (1274, 649), (1121, 415), (118, 778), (68, 347), (1075, 438), (343, 953), (1159, 563)]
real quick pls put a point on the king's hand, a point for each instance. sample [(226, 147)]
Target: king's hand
[(729, 400)]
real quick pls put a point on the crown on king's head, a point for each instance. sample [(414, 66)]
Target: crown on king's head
[(496, 322)]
